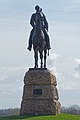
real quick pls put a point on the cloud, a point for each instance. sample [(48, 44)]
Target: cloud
[(52, 59), (51, 62), (71, 82), (68, 83), (11, 77), (71, 7), (11, 70), (3, 78), (11, 86), (78, 68), (71, 79), (76, 62), (64, 83)]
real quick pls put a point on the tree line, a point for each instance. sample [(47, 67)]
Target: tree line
[(9, 112), (75, 109)]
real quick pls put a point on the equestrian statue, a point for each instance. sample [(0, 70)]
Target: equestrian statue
[(39, 37)]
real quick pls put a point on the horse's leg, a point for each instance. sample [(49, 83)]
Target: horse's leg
[(45, 51), (41, 61), (41, 57), (36, 58)]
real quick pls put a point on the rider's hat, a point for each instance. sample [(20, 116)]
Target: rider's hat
[(37, 8)]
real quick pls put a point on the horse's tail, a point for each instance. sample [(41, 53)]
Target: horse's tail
[(48, 52)]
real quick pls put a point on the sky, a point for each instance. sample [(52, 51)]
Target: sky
[(63, 17)]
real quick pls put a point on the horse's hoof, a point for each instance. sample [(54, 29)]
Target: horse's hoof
[(36, 66), (41, 66), (44, 66)]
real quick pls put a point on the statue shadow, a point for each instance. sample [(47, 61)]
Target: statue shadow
[(17, 117), (23, 116)]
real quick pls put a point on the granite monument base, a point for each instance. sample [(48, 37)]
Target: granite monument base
[(40, 95)]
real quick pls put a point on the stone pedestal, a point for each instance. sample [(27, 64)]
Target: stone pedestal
[(40, 95)]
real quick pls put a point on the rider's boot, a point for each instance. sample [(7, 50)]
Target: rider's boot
[(29, 48), (48, 42), (30, 40), (30, 44)]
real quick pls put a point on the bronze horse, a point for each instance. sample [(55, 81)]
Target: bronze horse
[(39, 43)]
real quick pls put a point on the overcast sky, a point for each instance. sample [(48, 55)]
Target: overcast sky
[(64, 30)]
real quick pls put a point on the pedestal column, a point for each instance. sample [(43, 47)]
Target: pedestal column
[(40, 94)]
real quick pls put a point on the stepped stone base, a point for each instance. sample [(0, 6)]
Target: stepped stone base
[(40, 95)]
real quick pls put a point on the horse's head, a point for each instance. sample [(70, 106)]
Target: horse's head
[(38, 25)]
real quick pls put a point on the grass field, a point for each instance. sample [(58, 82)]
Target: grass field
[(47, 117)]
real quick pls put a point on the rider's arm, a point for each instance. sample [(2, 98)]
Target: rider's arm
[(45, 22), (32, 21)]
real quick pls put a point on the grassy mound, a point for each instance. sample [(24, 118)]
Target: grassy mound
[(46, 117)]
